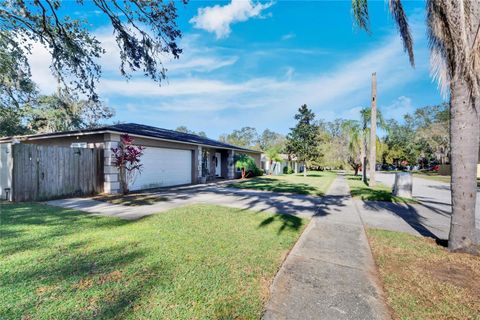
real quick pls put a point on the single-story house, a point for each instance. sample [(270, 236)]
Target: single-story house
[(277, 168), (170, 158)]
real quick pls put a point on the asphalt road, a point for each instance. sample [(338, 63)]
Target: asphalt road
[(433, 194)]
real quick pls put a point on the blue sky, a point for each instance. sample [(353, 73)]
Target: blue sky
[(254, 63)]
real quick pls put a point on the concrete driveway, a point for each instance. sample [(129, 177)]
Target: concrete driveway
[(220, 194)]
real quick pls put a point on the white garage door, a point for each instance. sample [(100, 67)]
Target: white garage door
[(164, 167)]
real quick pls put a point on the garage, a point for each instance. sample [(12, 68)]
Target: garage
[(171, 158), (163, 167)]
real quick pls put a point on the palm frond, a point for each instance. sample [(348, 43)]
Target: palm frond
[(439, 71), (366, 114), (360, 14), (453, 38), (396, 9)]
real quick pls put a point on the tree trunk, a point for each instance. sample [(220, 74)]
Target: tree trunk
[(363, 154), (464, 135), (373, 132), (305, 169), (356, 170), (123, 180), (243, 173)]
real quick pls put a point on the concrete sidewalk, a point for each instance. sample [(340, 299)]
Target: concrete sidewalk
[(330, 273)]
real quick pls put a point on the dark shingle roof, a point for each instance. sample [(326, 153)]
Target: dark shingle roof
[(148, 131)]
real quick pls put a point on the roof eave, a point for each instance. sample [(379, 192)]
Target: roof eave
[(103, 131)]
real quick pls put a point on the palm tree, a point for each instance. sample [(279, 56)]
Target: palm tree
[(454, 37), (355, 135)]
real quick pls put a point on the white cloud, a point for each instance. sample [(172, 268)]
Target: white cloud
[(289, 73), (288, 36), (398, 108), (218, 18), (40, 61), (331, 94), (181, 87), (196, 57)]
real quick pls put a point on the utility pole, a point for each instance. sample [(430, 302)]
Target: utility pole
[(363, 150), (373, 131)]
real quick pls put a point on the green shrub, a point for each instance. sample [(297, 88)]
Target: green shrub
[(255, 172), (287, 170), (248, 166)]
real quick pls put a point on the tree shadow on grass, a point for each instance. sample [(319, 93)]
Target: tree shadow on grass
[(287, 222), (267, 184), (18, 221), (76, 282), (379, 193), (375, 195)]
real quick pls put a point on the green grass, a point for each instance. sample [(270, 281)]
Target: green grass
[(380, 192), (431, 175), (315, 183), (197, 262), (422, 280)]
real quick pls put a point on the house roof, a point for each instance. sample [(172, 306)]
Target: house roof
[(139, 130)]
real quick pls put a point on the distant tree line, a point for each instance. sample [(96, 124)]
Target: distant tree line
[(184, 129), (422, 139), (248, 137), (50, 113)]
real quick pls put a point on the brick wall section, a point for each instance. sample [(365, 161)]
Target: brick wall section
[(231, 165), (198, 161), (111, 183)]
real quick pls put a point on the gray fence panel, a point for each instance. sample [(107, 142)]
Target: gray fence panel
[(49, 172)]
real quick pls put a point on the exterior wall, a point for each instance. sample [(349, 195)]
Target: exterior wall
[(256, 156), (6, 169), (224, 172), (111, 182), (197, 163), (279, 166), (231, 164), (211, 166), (92, 140), (223, 163)]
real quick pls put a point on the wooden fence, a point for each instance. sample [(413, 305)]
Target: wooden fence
[(49, 172)]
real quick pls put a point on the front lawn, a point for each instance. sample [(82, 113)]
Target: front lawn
[(315, 183), (196, 262), (381, 192), (432, 175), (423, 280)]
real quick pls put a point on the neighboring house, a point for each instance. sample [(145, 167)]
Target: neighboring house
[(277, 168), (170, 158)]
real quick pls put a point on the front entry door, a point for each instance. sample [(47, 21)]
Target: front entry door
[(218, 164)]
